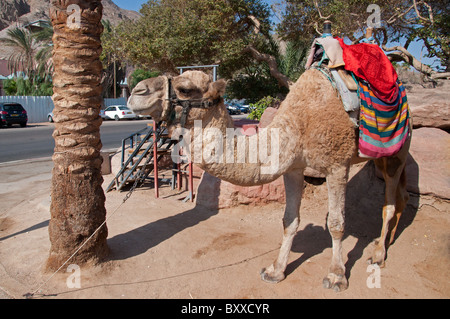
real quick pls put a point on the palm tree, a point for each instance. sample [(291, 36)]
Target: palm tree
[(113, 68), (78, 201), (24, 50), (44, 54)]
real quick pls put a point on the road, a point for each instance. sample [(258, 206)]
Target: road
[(36, 141)]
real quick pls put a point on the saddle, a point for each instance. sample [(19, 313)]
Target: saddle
[(326, 55), (328, 51), (373, 97)]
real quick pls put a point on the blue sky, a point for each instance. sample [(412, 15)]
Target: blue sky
[(130, 4)]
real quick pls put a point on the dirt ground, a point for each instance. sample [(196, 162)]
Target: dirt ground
[(166, 248)]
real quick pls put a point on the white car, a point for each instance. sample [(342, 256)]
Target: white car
[(119, 112)]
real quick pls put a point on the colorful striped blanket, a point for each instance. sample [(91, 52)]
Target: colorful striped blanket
[(384, 127)]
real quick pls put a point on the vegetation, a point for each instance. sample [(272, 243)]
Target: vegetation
[(114, 69), (21, 86), (259, 58), (401, 22), (174, 33), (32, 61), (257, 109), (139, 75)]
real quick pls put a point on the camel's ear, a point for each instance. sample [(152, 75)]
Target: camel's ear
[(217, 89)]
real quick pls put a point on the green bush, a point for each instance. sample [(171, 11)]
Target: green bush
[(10, 87), (257, 109), (139, 75), (26, 87)]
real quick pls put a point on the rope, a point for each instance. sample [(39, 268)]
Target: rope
[(30, 295)]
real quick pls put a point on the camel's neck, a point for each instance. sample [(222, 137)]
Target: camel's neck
[(225, 152)]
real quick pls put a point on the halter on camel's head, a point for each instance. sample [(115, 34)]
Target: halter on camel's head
[(176, 110), (172, 116)]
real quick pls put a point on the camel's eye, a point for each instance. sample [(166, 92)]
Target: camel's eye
[(140, 90), (185, 91)]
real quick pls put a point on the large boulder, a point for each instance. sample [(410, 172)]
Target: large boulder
[(267, 117), (430, 107), (217, 194), (428, 167)]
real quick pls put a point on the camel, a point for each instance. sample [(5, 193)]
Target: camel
[(311, 129)]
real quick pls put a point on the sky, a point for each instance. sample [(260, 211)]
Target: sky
[(415, 48), (130, 4)]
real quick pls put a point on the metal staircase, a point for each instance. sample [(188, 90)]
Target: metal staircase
[(142, 154)]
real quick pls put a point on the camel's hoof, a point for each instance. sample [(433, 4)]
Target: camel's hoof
[(270, 278), (336, 282)]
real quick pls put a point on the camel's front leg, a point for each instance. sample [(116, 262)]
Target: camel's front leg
[(293, 183), (336, 183)]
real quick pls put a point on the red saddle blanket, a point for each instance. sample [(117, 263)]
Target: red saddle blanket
[(369, 62)]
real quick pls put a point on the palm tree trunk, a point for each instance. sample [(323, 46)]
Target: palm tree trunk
[(78, 200)]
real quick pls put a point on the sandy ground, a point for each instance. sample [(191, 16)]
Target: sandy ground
[(165, 248)]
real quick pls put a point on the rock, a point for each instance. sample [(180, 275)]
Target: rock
[(432, 114), (249, 129), (267, 117), (214, 193), (208, 191), (106, 164), (430, 107), (428, 167)]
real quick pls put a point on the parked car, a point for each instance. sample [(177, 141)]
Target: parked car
[(233, 109), (13, 113), (50, 116), (119, 112), (244, 108)]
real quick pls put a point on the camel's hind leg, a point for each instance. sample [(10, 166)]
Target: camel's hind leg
[(293, 183), (396, 197), (336, 183)]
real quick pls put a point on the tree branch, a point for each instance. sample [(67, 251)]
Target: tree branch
[(398, 16), (430, 11), (282, 79), (443, 75), (316, 4), (256, 23), (405, 55)]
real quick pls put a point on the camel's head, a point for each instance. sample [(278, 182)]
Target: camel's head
[(164, 98), (148, 97)]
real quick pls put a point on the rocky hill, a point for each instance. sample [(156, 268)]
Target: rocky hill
[(20, 12), (24, 11)]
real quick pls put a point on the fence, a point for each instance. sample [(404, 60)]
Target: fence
[(38, 107)]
